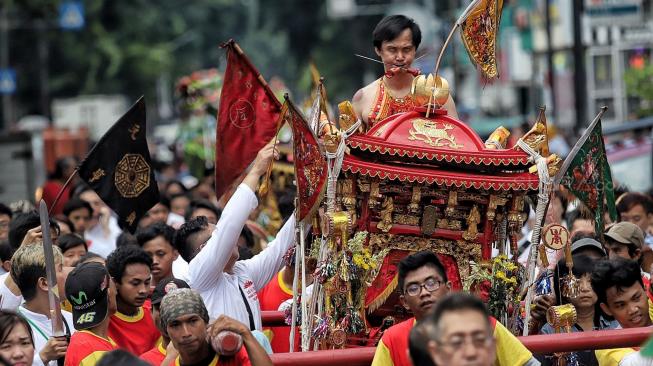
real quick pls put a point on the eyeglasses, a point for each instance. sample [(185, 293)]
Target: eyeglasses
[(478, 340), (431, 284)]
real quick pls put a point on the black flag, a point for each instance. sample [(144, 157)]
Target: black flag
[(119, 168)]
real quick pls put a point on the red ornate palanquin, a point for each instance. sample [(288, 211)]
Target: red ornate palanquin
[(418, 183)]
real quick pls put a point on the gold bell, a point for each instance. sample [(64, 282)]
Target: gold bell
[(430, 89)]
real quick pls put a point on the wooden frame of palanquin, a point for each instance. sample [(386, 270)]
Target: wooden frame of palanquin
[(417, 183)]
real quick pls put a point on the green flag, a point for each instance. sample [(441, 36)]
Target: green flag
[(647, 349), (586, 173)]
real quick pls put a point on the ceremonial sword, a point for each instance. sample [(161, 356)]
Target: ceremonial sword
[(51, 273)]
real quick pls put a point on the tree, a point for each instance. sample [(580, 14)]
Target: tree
[(639, 83)]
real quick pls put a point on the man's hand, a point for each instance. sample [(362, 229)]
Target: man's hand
[(33, 236), (261, 163), (541, 305), (171, 355), (264, 157), (54, 349), (226, 323), (255, 351)]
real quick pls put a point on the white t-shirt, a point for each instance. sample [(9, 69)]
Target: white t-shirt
[(180, 269), (8, 301), (220, 290), (101, 242), (42, 331), (175, 220)]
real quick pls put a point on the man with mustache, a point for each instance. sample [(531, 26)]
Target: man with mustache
[(422, 281), (132, 326), (621, 294), (396, 39)]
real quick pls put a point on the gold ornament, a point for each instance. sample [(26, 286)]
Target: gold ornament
[(338, 337), (134, 130), (536, 138), (462, 251), (562, 316), (99, 173), (495, 202), (386, 215), (451, 203), (347, 192), (430, 90), (375, 196), (132, 175), (428, 132), (347, 116), (339, 224), (497, 139), (413, 207), (473, 220), (555, 236)]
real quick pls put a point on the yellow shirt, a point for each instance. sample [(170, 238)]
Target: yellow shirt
[(510, 351), (612, 357)]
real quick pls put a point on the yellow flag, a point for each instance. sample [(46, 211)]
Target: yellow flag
[(479, 28)]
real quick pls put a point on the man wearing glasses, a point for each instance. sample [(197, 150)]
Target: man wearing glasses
[(422, 281), (462, 332)]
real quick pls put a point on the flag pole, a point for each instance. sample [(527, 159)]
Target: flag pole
[(444, 47), (322, 91), (459, 21), (233, 45), (60, 193), (264, 188)]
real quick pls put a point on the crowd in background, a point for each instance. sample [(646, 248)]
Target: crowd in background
[(197, 267)]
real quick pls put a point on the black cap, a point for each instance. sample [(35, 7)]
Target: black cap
[(165, 286), (87, 290)]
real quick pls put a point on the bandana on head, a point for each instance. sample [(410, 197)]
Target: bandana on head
[(183, 301)]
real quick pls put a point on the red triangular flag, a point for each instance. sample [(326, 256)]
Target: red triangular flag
[(311, 169), (247, 118)]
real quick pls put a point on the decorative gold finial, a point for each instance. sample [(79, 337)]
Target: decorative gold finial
[(431, 91)]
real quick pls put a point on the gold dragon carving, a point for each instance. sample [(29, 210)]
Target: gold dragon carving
[(428, 132)]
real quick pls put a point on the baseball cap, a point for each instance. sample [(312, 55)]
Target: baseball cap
[(626, 233), (87, 290), (165, 286), (587, 243)]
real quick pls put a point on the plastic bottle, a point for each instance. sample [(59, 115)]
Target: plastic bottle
[(227, 343)]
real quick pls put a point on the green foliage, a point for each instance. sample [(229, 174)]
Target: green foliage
[(639, 83), (126, 45)]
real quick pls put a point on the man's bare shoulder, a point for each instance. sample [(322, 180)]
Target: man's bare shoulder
[(363, 93)]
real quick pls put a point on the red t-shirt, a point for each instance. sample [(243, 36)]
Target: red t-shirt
[(395, 339), (239, 359), (154, 356), (86, 348), (136, 334), (270, 297)]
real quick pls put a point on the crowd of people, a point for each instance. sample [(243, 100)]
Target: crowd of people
[(189, 287), (163, 295)]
